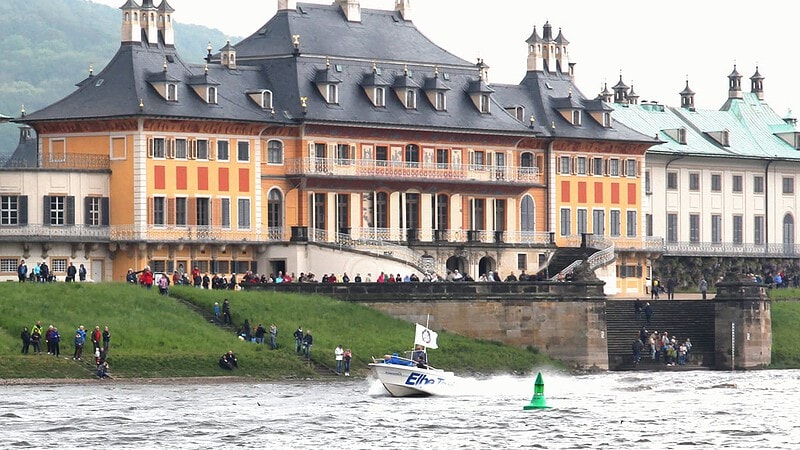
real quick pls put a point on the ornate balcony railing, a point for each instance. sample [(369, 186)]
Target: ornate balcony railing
[(188, 234), (402, 169), (74, 161), (55, 233), (728, 249)]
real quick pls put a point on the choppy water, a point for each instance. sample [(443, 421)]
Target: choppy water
[(658, 410)]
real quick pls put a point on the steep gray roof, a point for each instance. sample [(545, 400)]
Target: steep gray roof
[(324, 31)]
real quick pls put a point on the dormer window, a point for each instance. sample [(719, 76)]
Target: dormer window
[(266, 100), (332, 94), (172, 92), (677, 134), (411, 99), (576, 117), (211, 95), (379, 97), (607, 119), (484, 103), (441, 101)]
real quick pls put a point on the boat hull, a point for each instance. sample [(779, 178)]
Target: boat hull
[(410, 381)]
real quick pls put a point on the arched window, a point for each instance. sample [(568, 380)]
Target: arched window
[(172, 92), (411, 99), (484, 103), (274, 209), (788, 231), (412, 154), (275, 152), (212, 95), (441, 101), (333, 94), (266, 99), (526, 159), (380, 97), (527, 214)]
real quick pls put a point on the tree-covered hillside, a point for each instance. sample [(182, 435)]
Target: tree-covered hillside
[(48, 46)]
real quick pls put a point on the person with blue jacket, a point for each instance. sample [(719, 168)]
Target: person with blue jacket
[(79, 340), (55, 341)]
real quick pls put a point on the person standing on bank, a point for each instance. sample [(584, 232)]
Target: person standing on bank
[(339, 355), (82, 273), (671, 288), (348, 355), (308, 341), (298, 339), (106, 341), (703, 285), (26, 340)]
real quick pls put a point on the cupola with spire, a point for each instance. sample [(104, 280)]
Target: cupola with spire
[(165, 25), (734, 84), (404, 8), (605, 95), (131, 27), (687, 97), (228, 55), (757, 84), (149, 21), (633, 97), (620, 91)]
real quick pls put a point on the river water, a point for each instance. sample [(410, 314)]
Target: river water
[(641, 410)]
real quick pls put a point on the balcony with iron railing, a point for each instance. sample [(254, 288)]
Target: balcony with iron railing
[(727, 249), (359, 168), (71, 161), (55, 233)]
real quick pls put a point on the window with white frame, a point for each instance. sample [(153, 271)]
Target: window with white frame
[(484, 103), (9, 210), (647, 189), (243, 213), (411, 99), (694, 181), (672, 181), (266, 100), (58, 210), (441, 101), (607, 119), (565, 165), (630, 167), (243, 151), (158, 148), (203, 211), (737, 184), (597, 166), (758, 230), (202, 148), (576, 117), (581, 165), (172, 92), (159, 211), (211, 95), (758, 184), (788, 185), (613, 167), (379, 95), (599, 222), (332, 94), (631, 224), (223, 150), (275, 152), (93, 211), (58, 265), (180, 149), (9, 265)]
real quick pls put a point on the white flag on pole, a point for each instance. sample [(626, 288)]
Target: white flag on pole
[(425, 337)]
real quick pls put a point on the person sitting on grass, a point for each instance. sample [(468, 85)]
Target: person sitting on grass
[(228, 361), (102, 369)]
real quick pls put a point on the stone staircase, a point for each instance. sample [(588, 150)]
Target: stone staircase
[(681, 318)]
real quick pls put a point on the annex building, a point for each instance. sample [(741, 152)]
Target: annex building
[(333, 139)]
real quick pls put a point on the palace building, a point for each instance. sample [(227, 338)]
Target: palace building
[(333, 139)]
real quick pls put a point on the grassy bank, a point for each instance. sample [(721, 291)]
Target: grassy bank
[(156, 336)]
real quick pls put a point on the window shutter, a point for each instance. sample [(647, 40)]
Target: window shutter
[(638, 167), (590, 169), (623, 171), (607, 164), (574, 162), (192, 149), (23, 209), (46, 210), (170, 148), (352, 151), (70, 216), (211, 154), (150, 145), (216, 211), (86, 216), (311, 150), (105, 211), (191, 214), (151, 211), (331, 151), (171, 211)]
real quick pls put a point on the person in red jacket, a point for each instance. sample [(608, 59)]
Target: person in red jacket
[(96, 337), (146, 278)]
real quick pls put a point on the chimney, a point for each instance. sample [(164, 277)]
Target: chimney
[(351, 9), (404, 8), (131, 28), (165, 26), (286, 4)]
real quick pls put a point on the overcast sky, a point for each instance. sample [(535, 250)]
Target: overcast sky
[(654, 45)]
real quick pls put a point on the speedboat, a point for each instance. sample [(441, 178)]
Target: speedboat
[(411, 375)]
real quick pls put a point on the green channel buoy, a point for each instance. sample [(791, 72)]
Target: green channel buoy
[(538, 401)]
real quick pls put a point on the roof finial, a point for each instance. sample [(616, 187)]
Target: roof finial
[(91, 70), (304, 104), (327, 63), (208, 52), (205, 69), (374, 67), (532, 120), (296, 41), (141, 104), (22, 110), (405, 69), (436, 71), (165, 65)]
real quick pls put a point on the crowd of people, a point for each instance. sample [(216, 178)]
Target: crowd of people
[(41, 273), (661, 346), (101, 341)]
